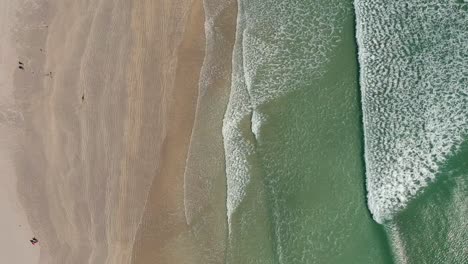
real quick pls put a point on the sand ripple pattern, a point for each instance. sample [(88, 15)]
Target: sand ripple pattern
[(414, 68), (94, 128)]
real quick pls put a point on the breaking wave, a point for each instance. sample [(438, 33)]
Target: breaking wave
[(280, 47), (414, 83)]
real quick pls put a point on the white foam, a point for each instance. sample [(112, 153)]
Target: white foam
[(414, 68), (280, 47), (258, 119)]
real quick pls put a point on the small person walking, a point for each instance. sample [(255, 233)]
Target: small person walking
[(34, 241)]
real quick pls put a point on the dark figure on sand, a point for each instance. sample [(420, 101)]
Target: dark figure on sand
[(34, 241)]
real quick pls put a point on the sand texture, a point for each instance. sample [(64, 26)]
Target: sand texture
[(185, 218), (108, 97), (14, 227)]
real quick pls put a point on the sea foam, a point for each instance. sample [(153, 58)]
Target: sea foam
[(414, 83), (280, 47)]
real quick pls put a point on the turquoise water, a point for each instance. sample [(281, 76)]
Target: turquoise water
[(414, 66), (413, 61), (293, 139), (433, 228), (318, 148)]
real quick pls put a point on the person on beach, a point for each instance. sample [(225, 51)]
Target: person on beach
[(34, 241)]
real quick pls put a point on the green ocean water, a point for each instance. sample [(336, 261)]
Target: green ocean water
[(433, 228), (303, 199), (328, 161), (312, 156), (414, 62)]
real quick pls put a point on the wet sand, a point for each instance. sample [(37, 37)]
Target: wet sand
[(163, 218), (108, 95), (192, 229)]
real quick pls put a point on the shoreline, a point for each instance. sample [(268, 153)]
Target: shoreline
[(163, 221), (205, 175)]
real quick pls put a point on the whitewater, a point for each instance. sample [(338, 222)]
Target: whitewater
[(280, 129), (414, 86), (292, 139), (268, 44)]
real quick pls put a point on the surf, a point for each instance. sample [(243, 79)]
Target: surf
[(413, 82)]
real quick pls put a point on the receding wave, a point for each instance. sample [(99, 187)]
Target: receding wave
[(413, 59), (279, 48)]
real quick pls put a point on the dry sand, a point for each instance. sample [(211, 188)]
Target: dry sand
[(108, 98), (14, 226)]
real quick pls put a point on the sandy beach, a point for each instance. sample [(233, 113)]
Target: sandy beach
[(230, 131), (15, 229), (185, 217), (107, 96)]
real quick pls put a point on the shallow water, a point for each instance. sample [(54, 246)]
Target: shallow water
[(413, 60), (300, 147), (433, 228), (294, 144), (293, 139)]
